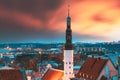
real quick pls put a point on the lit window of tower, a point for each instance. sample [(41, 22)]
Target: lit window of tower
[(68, 52)]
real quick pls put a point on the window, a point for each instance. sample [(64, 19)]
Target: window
[(69, 67), (91, 77), (87, 76), (69, 62), (66, 73), (80, 74), (83, 75)]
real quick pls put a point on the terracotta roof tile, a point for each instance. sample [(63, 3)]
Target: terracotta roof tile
[(91, 68), (53, 74), (10, 75)]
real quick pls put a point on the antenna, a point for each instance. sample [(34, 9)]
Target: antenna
[(68, 8)]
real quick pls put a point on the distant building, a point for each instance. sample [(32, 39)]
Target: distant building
[(97, 69), (89, 50), (8, 73)]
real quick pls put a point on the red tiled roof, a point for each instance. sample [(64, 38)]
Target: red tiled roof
[(37, 74), (91, 68), (10, 74), (53, 74)]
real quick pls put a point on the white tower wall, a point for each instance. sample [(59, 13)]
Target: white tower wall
[(68, 64)]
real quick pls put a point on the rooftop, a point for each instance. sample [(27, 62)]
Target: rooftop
[(53, 74), (10, 74), (91, 68)]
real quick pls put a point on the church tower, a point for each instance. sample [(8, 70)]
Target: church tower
[(68, 52)]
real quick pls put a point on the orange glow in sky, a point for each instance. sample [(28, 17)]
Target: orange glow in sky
[(93, 18), (99, 18)]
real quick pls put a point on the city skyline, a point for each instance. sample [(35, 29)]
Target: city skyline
[(41, 21)]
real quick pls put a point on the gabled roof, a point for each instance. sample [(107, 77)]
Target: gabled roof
[(91, 68), (10, 74), (53, 74)]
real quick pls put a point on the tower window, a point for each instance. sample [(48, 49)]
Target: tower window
[(70, 67), (69, 62)]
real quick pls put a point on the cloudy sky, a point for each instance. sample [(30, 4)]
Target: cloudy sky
[(45, 20)]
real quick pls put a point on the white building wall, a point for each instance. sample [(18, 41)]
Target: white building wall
[(101, 74), (112, 71), (68, 64)]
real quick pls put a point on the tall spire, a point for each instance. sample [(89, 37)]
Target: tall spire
[(68, 8), (68, 45)]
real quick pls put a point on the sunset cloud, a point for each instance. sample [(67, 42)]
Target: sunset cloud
[(43, 19), (96, 18)]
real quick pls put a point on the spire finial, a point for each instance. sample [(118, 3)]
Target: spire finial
[(68, 8)]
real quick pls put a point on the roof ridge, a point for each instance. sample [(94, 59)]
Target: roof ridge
[(57, 69)]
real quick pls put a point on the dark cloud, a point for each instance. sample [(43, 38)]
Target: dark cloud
[(16, 17), (31, 5), (37, 8), (11, 32)]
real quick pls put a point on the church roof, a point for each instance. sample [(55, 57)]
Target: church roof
[(91, 68), (53, 74)]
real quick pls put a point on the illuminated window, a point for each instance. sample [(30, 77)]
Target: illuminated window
[(87, 76), (91, 77), (80, 74), (83, 75)]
